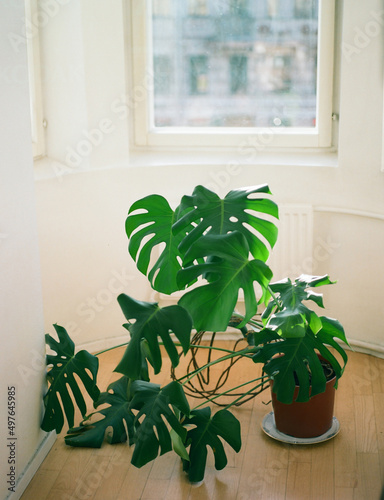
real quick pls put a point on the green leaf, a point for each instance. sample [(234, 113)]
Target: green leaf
[(307, 280), (178, 445), (211, 305), (65, 364), (207, 433), (155, 403), (286, 314), (148, 230), (289, 322), (117, 416), (287, 360), (233, 213), (152, 322), (292, 294)]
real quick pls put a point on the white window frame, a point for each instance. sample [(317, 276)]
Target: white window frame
[(146, 136), (34, 72)]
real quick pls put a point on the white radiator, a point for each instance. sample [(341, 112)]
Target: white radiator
[(292, 254)]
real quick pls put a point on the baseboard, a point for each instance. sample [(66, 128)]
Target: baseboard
[(33, 465), (230, 334), (103, 344), (367, 348)]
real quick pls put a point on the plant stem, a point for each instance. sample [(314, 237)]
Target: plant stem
[(189, 376), (234, 389), (214, 348), (275, 299), (245, 394), (110, 349)]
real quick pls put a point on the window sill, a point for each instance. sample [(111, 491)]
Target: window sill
[(48, 168), (267, 159)]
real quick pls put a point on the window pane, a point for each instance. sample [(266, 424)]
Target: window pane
[(198, 74), (238, 74), (244, 63), (197, 7)]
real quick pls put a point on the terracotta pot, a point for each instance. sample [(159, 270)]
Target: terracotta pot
[(306, 420)]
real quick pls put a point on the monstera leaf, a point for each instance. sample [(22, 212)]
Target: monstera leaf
[(156, 404), (155, 228), (207, 433), (292, 361), (117, 416), (152, 321), (208, 212), (211, 305), (286, 314), (65, 364)]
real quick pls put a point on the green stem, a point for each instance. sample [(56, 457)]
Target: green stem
[(256, 323), (189, 376), (275, 299), (111, 349), (197, 346), (208, 400), (244, 395)]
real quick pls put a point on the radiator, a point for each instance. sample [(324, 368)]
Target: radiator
[(292, 254)]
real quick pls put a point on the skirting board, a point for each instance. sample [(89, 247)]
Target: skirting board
[(230, 334), (30, 470), (103, 344), (367, 348)]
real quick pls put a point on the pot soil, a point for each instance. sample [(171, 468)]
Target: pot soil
[(306, 420)]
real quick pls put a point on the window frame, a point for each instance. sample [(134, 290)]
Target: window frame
[(146, 136), (34, 74)]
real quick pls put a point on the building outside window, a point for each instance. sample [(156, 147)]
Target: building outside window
[(253, 64), (198, 76), (238, 74), (162, 69), (280, 84), (162, 7), (304, 9), (197, 7), (239, 7)]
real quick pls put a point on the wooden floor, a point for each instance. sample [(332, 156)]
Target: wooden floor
[(348, 467)]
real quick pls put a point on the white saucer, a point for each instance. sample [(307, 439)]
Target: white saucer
[(269, 427)]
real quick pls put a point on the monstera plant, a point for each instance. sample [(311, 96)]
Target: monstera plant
[(209, 248)]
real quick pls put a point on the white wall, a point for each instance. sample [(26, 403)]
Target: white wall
[(81, 208), (21, 311)]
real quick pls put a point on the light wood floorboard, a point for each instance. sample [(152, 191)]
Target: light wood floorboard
[(348, 467)]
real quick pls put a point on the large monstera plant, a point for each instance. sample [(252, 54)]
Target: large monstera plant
[(210, 248)]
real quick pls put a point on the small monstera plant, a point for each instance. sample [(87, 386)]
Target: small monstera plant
[(210, 248)]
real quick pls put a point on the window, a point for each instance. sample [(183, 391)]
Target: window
[(273, 6), (238, 74), (197, 7), (161, 7), (268, 71), (162, 68), (198, 75), (304, 9), (239, 7)]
